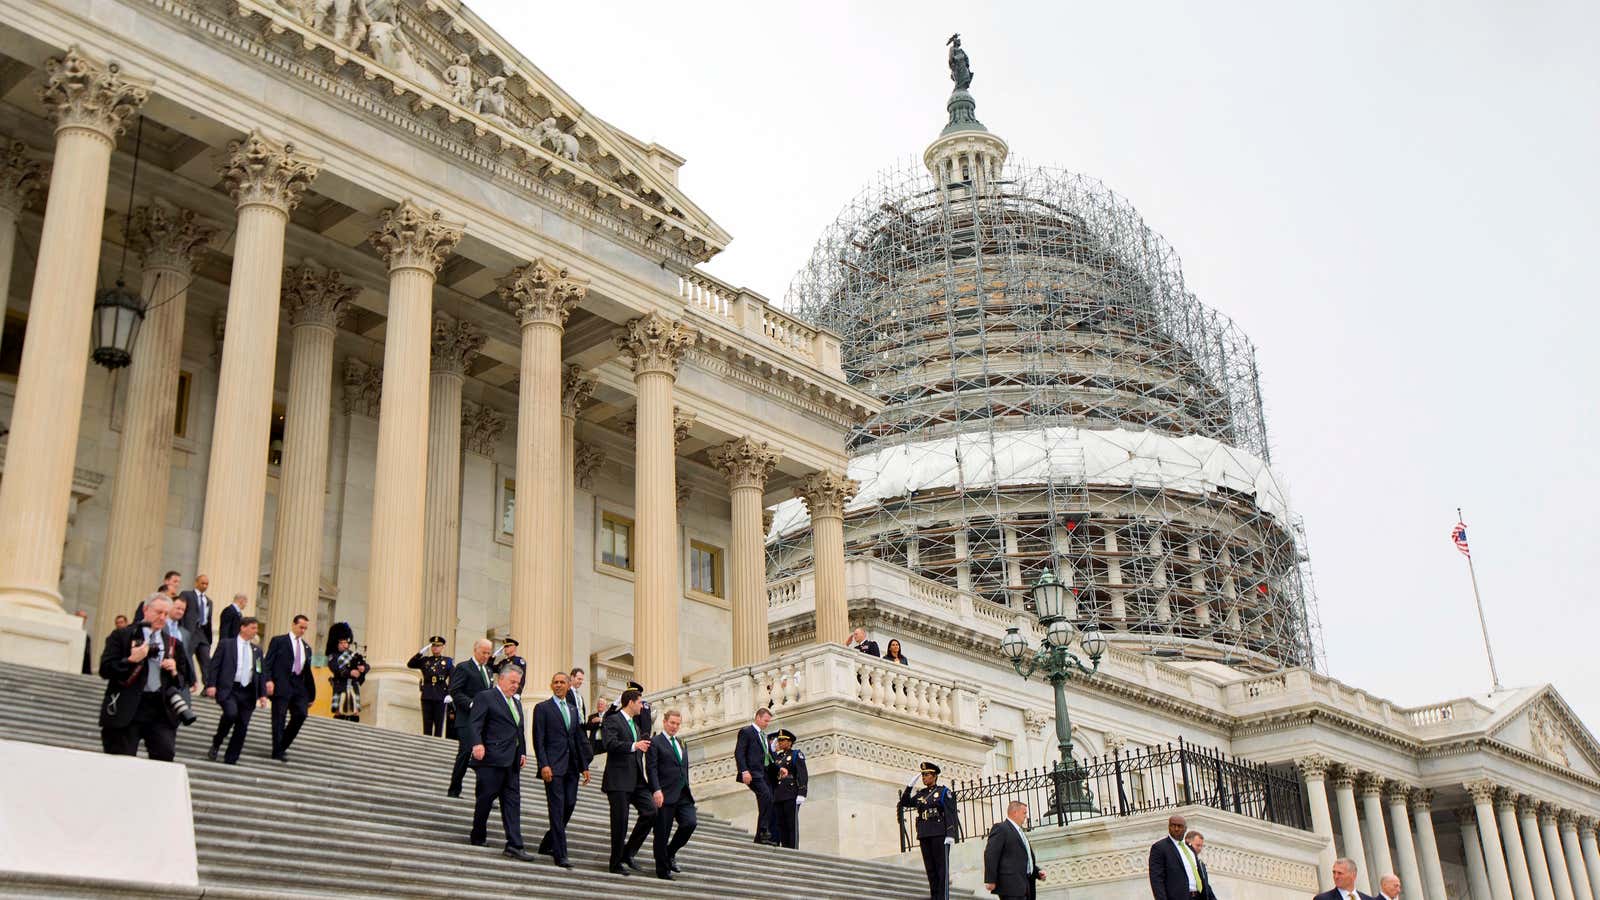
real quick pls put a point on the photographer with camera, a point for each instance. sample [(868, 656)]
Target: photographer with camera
[(234, 680), (147, 674)]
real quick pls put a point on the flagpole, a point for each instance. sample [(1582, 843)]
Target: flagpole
[(1482, 622)]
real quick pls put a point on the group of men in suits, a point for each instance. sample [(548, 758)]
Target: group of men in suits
[(1344, 884), (1176, 872)]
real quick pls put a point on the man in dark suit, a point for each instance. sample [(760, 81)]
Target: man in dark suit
[(1174, 869), (498, 754), (858, 641), (668, 765), (290, 685), (467, 681), (235, 682), (1344, 882), (231, 614), (1197, 842), (197, 619), (1009, 868), (563, 755), (625, 781), (139, 662), (644, 719), (750, 757)]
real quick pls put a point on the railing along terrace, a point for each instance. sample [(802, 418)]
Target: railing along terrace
[(1118, 784), (758, 318)]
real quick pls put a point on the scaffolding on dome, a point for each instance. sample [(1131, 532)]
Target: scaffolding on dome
[(1055, 399)]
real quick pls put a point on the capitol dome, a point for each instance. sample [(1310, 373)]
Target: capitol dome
[(1055, 400)]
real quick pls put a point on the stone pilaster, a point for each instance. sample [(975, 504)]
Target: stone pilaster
[(1427, 843), (541, 295), (1395, 795), (167, 240), (455, 343), (415, 242), (21, 177), (655, 345), (1314, 772), (315, 299), (89, 102), (576, 391), (1377, 836), (746, 464), (1344, 782), (1482, 793), (825, 495), (266, 179)]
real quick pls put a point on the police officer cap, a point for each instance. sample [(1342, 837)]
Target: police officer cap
[(436, 641), (929, 768), (635, 686), (784, 734), (511, 642)]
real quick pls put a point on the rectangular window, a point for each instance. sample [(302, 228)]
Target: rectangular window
[(508, 506), (705, 569), (616, 541), (180, 422), (1004, 760)]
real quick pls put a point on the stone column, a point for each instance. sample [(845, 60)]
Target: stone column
[(481, 428), (576, 389), (1494, 856), (1590, 844), (1505, 804), (415, 241), (1377, 835), (825, 495), (1404, 848), (1561, 880), (1577, 871), (167, 239), (746, 464), (89, 101), (1472, 852), (315, 299), (1344, 793), (655, 344), (1427, 843), (266, 180), (1314, 771), (455, 343), (1533, 849), (20, 178), (541, 295)]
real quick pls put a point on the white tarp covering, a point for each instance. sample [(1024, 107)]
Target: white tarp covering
[(1065, 455)]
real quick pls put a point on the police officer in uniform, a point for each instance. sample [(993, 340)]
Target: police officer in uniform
[(435, 685), (937, 827), (787, 775), (508, 654)]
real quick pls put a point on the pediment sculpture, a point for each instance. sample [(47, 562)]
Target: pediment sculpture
[(1549, 741)]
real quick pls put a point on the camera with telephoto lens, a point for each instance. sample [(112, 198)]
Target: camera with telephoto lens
[(178, 700)]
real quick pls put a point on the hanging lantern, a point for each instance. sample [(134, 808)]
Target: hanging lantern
[(118, 312)]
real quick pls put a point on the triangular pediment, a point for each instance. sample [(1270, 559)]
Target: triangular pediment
[(1545, 727)]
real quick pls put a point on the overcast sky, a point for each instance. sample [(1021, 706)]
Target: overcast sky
[(1398, 202)]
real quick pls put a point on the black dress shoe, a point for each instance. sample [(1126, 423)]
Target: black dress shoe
[(282, 757), (212, 754), (477, 843), (618, 870), (454, 793), (632, 865), (666, 875), (519, 853), (674, 866), (563, 863)]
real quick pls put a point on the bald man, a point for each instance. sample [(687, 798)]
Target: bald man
[(1389, 887), (470, 678)]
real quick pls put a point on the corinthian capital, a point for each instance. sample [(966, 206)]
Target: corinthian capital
[(1422, 798), (259, 171), (80, 92), (1372, 784), (411, 237), (541, 293), (455, 343), (20, 177), (825, 493), (313, 295), (744, 462), (655, 343), (576, 391), (481, 428), (1481, 791), (167, 237), (1314, 766)]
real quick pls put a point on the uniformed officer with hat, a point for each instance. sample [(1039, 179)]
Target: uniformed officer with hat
[(435, 685), (787, 775), (937, 827), (508, 654)]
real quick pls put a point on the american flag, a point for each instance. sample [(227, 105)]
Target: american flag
[(1458, 535)]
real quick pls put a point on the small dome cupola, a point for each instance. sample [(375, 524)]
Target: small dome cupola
[(965, 156)]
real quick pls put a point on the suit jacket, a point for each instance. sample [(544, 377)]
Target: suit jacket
[(230, 622), (869, 647), (199, 628), (1332, 895), (1169, 877), (466, 682), (642, 721), (1005, 861), (278, 668), (224, 667), (125, 681), (624, 765), (499, 733), (555, 744), (667, 775), (749, 754)]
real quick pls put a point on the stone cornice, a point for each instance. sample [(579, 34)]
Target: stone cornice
[(810, 395)]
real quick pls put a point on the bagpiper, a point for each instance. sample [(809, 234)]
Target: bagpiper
[(435, 684), (937, 827)]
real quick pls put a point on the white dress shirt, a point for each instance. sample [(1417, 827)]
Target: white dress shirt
[(243, 670), (1191, 864), (1025, 845)]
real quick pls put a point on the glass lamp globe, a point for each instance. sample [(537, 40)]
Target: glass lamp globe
[(1060, 633), (1094, 640), (1013, 645)]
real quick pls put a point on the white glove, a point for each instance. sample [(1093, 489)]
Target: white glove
[(424, 650), (449, 699), (915, 780), (800, 801), (949, 840)]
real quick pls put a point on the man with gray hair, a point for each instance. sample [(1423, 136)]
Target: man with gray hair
[(1344, 882), (1389, 887), (229, 629), (499, 752), (467, 680), (142, 664)]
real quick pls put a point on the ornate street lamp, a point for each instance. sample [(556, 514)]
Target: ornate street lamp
[(1058, 663)]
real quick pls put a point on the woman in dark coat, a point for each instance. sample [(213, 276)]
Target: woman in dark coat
[(892, 654)]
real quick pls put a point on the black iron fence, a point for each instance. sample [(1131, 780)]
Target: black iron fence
[(1119, 784)]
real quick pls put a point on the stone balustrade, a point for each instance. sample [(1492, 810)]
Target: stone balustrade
[(761, 320)]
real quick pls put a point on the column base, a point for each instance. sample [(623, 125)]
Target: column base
[(390, 700), (46, 638)]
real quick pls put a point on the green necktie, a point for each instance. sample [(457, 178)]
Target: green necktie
[(675, 751), (1194, 868), (766, 749), (514, 714), (565, 716), (634, 730), (485, 673)]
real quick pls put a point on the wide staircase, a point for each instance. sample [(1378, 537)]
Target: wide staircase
[(358, 812)]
